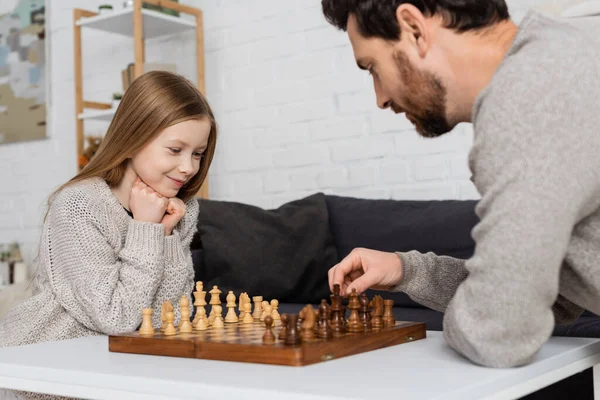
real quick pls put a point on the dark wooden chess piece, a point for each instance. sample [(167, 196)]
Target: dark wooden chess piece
[(283, 331), (377, 305), (337, 322), (365, 313), (388, 316), (354, 324), (307, 327), (324, 331), (292, 336), (268, 337)]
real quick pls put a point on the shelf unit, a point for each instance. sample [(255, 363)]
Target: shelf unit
[(139, 24)]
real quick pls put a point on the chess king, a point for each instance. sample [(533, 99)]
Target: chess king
[(443, 62)]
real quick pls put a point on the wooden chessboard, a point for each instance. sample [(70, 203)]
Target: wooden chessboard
[(243, 343)]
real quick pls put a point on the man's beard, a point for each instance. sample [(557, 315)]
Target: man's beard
[(426, 100)]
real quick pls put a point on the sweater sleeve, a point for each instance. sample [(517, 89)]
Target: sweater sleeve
[(432, 281), (179, 269), (102, 288)]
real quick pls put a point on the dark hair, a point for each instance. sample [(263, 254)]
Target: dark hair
[(377, 18)]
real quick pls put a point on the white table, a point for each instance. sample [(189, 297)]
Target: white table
[(424, 369)]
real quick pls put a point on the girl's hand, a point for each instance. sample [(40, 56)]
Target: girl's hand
[(175, 211), (146, 205)]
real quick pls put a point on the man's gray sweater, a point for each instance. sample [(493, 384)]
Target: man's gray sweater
[(535, 161)]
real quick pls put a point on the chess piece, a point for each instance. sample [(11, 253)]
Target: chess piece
[(388, 316), (218, 321), (248, 318), (377, 305), (199, 300), (170, 327), (267, 309), (365, 313), (147, 328), (202, 323), (264, 305), (215, 299), (166, 307), (231, 317), (291, 336), (268, 337), (337, 323), (274, 312), (185, 326), (243, 300), (354, 324), (257, 307), (307, 327), (324, 331), (283, 331)]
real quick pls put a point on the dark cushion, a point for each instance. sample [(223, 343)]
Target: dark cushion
[(440, 226), (281, 254)]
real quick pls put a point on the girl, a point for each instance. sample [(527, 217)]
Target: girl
[(116, 237)]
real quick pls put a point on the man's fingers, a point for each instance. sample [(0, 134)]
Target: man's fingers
[(342, 269)]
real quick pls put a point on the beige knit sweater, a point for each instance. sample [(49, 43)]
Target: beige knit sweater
[(98, 268)]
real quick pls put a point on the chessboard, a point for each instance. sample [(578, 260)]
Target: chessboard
[(263, 336)]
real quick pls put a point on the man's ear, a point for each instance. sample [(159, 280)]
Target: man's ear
[(413, 28)]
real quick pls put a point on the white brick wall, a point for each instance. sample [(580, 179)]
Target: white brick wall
[(296, 115)]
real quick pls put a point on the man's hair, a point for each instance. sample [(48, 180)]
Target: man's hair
[(377, 18)]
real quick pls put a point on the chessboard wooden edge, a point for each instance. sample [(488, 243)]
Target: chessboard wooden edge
[(303, 354)]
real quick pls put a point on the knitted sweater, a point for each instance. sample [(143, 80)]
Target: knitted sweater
[(98, 268), (536, 163)]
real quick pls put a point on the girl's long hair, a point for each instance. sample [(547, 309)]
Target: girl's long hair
[(153, 102)]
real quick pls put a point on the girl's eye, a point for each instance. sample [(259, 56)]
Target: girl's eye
[(199, 155), (174, 150)]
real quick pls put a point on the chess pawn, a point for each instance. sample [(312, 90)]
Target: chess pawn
[(324, 331), (268, 337), (248, 318), (266, 310), (257, 307), (354, 323), (147, 328), (274, 313), (202, 323), (231, 317), (218, 321), (263, 306), (388, 316), (337, 322), (185, 326), (365, 314), (170, 327), (377, 305), (283, 331)]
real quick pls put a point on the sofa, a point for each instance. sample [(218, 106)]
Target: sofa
[(244, 248), (285, 253)]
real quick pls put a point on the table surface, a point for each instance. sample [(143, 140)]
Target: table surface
[(424, 369)]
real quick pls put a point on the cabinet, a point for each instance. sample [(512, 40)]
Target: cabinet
[(140, 24)]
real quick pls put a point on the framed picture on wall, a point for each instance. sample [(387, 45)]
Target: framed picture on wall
[(23, 70)]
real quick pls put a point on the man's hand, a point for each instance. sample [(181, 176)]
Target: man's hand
[(175, 211), (363, 269)]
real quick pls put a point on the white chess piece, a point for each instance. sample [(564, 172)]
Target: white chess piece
[(248, 318), (218, 321), (202, 323), (231, 316), (257, 307), (275, 314)]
